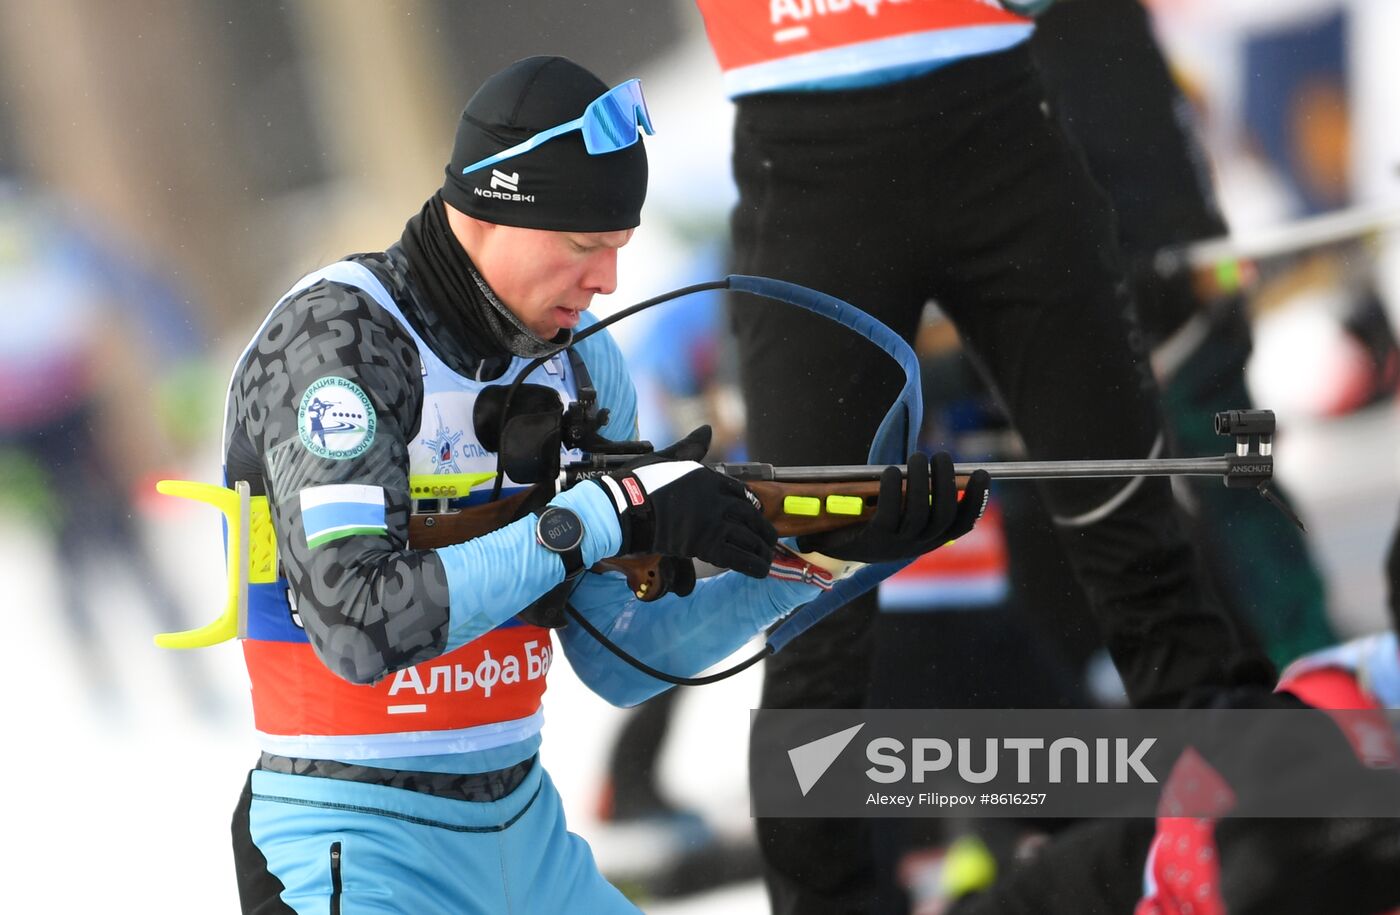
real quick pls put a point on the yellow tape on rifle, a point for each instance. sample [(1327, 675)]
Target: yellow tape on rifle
[(445, 485)]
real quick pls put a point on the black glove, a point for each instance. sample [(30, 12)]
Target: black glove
[(905, 526), (669, 503)]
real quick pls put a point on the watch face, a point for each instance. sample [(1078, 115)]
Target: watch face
[(559, 529)]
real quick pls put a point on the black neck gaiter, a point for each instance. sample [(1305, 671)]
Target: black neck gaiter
[(460, 300)]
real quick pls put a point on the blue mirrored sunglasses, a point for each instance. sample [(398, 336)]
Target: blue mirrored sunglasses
[(612, 121)]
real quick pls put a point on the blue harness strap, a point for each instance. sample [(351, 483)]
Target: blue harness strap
[(896, 438)]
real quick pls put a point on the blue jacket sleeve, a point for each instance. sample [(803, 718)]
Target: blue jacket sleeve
[(492, 578), (677, 635)]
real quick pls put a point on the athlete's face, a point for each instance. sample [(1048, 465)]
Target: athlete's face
[(548, 279)]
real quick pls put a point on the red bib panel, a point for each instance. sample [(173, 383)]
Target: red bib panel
[(497, 677)]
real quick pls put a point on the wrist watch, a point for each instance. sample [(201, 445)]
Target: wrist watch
[(560, 530)]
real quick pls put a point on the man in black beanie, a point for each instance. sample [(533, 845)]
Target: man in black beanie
[(396, 691)]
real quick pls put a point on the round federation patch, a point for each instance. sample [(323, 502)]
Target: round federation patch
[(336, 419)]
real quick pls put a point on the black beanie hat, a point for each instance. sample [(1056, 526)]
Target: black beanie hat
[(557, 185)]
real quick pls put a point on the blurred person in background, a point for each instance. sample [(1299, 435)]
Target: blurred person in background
[(85, 336), (1179, 865), (1108, 81), (889, 154)]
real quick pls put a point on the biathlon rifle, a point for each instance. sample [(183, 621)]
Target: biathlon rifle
[(532, 430), (796, 500), (811, 500)]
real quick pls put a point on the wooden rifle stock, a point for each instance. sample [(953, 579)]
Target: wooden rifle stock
[(793, 508)]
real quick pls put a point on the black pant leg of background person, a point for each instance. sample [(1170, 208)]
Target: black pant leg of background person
[(1034, 283), (1106, 76)]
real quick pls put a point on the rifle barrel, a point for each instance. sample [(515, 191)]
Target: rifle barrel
[(1003, 470)]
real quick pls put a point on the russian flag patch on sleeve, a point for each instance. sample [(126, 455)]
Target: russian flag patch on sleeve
[(342, 510)]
